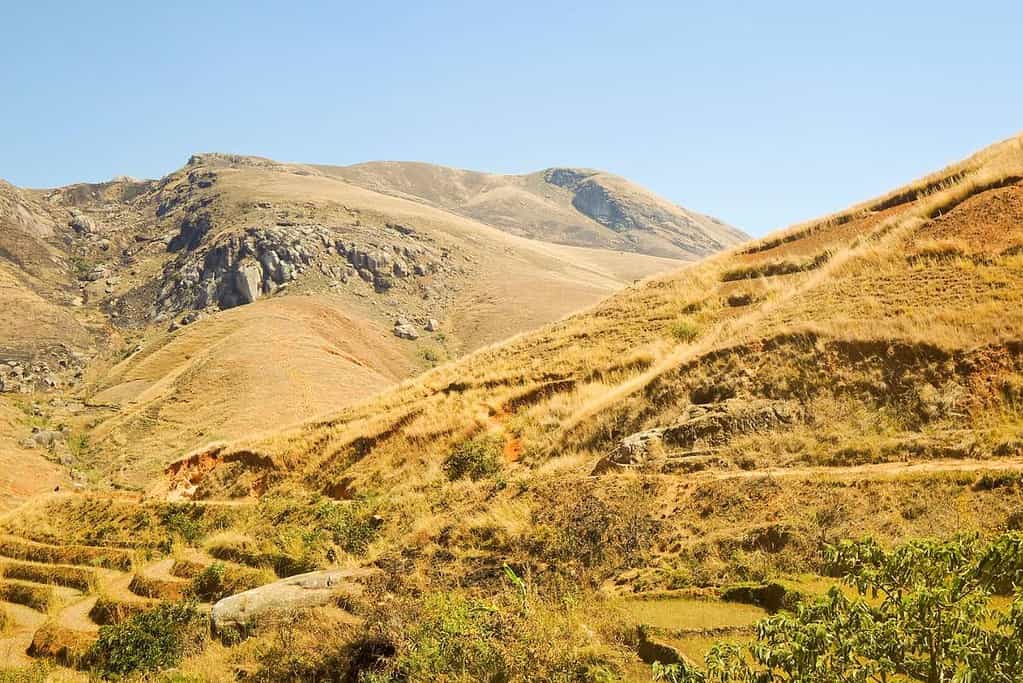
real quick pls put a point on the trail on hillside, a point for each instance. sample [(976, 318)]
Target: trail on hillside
[(874, 470)]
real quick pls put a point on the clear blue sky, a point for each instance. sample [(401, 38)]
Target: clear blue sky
[(762, 113)]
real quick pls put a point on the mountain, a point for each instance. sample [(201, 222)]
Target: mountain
[(623, 485), (873, 338), (577, 206), (240, 294)]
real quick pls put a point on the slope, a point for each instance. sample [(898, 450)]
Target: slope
[(176, 306), (886, 335), (582, 207)]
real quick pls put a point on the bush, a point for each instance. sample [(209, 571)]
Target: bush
[(452, 637), (183, 520), (924, 608), (685, 330), (311, 645), (157, 639), (476, 458), (219, 581)]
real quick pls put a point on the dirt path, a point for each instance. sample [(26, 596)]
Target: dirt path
[(23, 624), (76, 616), (885, 470)]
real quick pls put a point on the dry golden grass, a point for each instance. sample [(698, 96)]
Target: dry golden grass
[(879, 392)]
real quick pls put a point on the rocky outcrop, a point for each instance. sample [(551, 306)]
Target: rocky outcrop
[(22, 377), (406, 331), (593, 199), (717, 423), (240, 267), (698, 431), (314, 589)]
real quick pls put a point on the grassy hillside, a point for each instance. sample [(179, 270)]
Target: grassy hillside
[(116, 313), (583, 207), (615, 487)]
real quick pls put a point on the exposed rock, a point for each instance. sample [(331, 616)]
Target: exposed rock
[(700, 429), (97, 273), (248, 280), (432, 325), (632, 451), (47, 437), (715, 424), (314, 589), (406, 332), (81, 223)]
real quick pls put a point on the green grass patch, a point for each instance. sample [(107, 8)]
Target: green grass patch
[(691, 614)]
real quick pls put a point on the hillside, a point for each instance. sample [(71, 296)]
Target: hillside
[(577, 206), (149, 317), (675, 457)]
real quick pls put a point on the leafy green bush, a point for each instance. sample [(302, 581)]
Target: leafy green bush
[(515, 636), (475, 458), (153, 640), (929, 617), (352, 526), (183, 520), (296, 533)]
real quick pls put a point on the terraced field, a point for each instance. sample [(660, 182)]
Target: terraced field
[(57, 597)]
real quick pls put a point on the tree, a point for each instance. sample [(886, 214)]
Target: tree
[(920, 612)]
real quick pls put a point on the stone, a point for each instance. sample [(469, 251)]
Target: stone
[(47, 437), (406, 332), (715, 424), (432, 325), (315, 589), (632, 451), (81, 223), (97, 273), (248, 282)]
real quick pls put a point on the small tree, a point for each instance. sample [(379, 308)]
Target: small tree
[(928, 618)]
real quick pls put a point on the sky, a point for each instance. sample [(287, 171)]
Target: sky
[(762, 114)]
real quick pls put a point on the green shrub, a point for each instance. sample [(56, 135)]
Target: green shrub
[(157, 639), (219, 580), (476, 458), (685, 330), (209, 584), (515, 636), (183, 520), (352, 526)]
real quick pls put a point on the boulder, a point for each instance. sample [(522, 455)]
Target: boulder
[(81, 223), (715, 424), (432, 325), (47, 437), (97, 273), (248, 282), (314, 589), (406, 332), (632, 451)]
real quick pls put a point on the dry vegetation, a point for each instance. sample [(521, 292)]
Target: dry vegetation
[(698, 436)]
